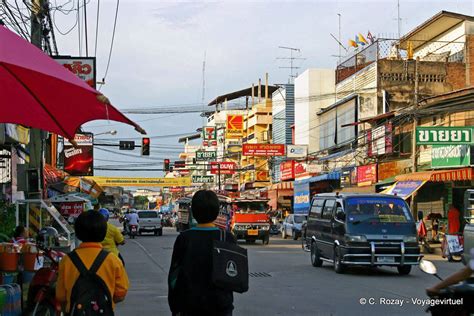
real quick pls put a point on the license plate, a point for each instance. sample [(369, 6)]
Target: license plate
[(252, 232), (386, 259)]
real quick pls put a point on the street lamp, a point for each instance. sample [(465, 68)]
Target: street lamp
[(112, 132)]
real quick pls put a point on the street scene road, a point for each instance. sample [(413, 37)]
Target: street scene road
[(282, 282)]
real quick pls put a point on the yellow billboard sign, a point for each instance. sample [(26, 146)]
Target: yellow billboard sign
[(141, 182)]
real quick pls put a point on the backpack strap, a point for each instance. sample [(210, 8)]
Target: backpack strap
[(95, 265), (77, 262), (98, 261)]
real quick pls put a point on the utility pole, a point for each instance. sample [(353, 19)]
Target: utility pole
[(414, 159), (36, 138), (291, 60)]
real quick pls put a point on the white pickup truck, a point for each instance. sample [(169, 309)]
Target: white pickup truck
[(469, 228)]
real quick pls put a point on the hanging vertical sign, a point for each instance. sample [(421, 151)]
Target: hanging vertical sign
[(209, 133), (234, 126), (78, 161)]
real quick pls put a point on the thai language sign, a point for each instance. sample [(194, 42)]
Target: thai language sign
[(366, 175), (263, 150), (225, 167), (450, 156), (444, 135), (141, 182), (301, 198), (83, 67), (202, 155), (202, 179), (287, 170), (404, 189)]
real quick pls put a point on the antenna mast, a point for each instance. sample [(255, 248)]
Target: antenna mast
[(291, 60)]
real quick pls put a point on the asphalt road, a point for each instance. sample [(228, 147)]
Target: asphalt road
[(282, 282)]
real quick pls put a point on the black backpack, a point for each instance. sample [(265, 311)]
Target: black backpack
[(230, 267), (90, 295)]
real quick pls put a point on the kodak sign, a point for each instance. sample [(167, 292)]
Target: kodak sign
[(235, 126)]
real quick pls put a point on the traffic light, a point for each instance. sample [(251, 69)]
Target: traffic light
[(145, 146), (127, 145), (166, 165)]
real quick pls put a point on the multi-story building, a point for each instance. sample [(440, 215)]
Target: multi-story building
[(255, 107), (314, 90), (366, 136), (283, 118)]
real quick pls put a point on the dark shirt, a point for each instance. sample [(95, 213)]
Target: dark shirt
[(190, 290)]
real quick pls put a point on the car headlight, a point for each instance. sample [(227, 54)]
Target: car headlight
[(266, 227), (356, 238), (408, 239)]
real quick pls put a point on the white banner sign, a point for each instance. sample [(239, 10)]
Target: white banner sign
[(297, 151)]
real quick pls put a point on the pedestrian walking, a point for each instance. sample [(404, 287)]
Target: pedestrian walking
[(91, 280), (190, 289)]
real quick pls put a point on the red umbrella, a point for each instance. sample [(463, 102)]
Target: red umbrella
[(38, 92)]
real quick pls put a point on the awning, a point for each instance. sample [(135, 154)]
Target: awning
[(404, 189), (321, 177), (438, 175), (282, 186)]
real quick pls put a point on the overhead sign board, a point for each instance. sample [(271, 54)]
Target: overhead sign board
[(366, 175), (435, 135), (209, 133), (234, 126), (141, 182), (224, 167), (287, 170), (263, 150), (202, 179), (450, 156), (83, 67), (202, 155), (296, 151)]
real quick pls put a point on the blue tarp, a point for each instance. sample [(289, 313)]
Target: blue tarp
[(321, 177)]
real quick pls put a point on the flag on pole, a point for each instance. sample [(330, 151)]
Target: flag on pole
[(370, 37), (358, 41), (362, 39), (353, 43)]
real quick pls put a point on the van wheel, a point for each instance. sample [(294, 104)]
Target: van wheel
[(338, 266), (315, 259), (160, 232), (295, 236), (404, 270)]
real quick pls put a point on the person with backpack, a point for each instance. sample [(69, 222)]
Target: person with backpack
[(190, 287), (90, 279)]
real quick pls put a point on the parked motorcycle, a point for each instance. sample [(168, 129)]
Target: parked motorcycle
[(133, 231), (452, 247), (457, 299), (41, 293)]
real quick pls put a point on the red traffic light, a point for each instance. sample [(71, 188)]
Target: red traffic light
[(146, 140)]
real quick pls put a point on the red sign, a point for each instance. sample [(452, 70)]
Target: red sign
[(263, 150), (83, 67), (176, 189), (78, 161), (287, 170), (366, 175), (73, 209), (226, 167)]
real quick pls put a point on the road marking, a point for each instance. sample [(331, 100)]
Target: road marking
[(149, 255)]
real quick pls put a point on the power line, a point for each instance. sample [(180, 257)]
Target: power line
[(97, 28), (111, 45), (85, 28)]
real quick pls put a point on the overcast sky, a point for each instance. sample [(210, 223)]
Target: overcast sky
[(159, 50)]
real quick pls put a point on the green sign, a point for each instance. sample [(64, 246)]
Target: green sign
[(435, 135), (202, 155), (202, 179), (450, 156)]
